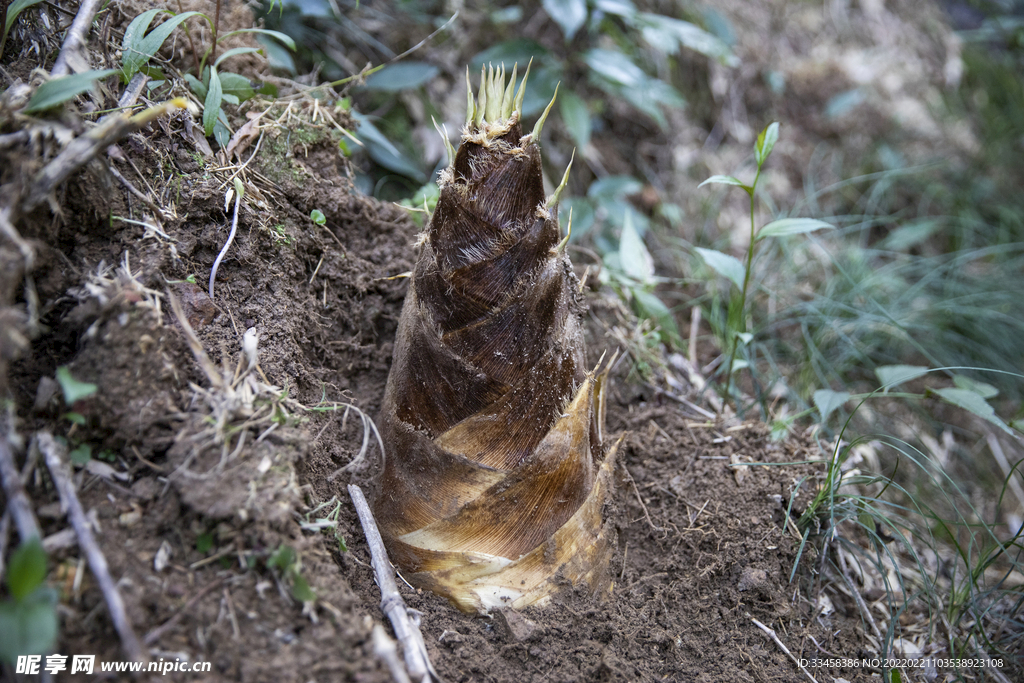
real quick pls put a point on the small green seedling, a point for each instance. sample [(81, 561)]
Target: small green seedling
[(28, 618), (286, 563), (737, 272), (140, 45), (317, 216)]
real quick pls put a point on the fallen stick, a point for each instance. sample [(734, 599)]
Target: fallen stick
[(771, 634), (385, 648), (18, 503), (406, 627), (72, 57), (52, 453)]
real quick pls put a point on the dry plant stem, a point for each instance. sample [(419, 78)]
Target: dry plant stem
[(72, 57), (384, 647), (1004, 465), (94, 556), (18, 503), (85, 147), (5, 529), (858, 598), (406, 629), (773, 636), (155, 635), (137, 193), (227, 245)]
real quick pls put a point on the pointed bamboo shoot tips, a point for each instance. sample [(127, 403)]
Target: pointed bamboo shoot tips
[(470, 102), (553, 199), (539, 126), (517, 106)]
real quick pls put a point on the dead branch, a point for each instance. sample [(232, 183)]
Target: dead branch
[(18, 503), (72, 54), (54, 457), (84, 148), (406, 626), (384, 647), (773, 636)]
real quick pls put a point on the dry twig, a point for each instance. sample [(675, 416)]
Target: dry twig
[(406, 625), (384, 647), (52, 453), (18, 503), (771, 634), (72, 55)]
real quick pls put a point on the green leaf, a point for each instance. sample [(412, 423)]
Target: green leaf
[(766, 143), (137, 49), (670, 35), (614, 187), (74, 390), (317, 216), (634, 258), (276, 35), (568, 14), (575, 116), (582, 210), (15, 8), (892, 375), (81, 455), (282, 558), (75, 418), (970, 401), (1018, 425), (234, 52), (828, 401), (29, 626), (236, 86), (198, 87), (212, 103), (620, 8), (278, 56), (792, 226), (726, 265), (301, 590), (204, 542), (980, 388), (384, 152), (725, 180), (652, 307), (511, 52), (402, 76), (59, 90), (26, 569), (614, 66)]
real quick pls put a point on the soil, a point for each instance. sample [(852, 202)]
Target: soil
[(702, 547), (195, 516)]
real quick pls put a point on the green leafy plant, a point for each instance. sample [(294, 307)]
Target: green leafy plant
[(328, 523), (57, 91), (287, 565), (879, 522), (737, 272), (13, 10), (28, 618), (140, 45), (73, 389)]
